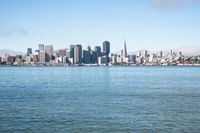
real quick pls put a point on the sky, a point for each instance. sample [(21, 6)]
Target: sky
[(145, 24)]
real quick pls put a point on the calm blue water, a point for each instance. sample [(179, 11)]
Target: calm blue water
[(100, 99)]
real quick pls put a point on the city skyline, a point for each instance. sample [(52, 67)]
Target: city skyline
[(76, 55), (145, 24)]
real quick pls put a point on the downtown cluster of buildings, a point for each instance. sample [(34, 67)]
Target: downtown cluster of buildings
[(75, 55)]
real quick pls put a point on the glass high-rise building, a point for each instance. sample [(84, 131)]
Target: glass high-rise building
[(72, 51), (98, 50), (106, 47), (86, 57), (78, 54)]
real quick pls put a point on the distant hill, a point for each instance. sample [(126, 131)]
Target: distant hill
[(10, 52), (189, 50)]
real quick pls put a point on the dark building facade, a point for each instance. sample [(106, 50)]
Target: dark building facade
[(106, 47), (86, 57), (29, 51), (98, 50), (94, 57), (72, 51)]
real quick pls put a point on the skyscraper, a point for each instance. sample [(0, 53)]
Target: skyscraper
[(42, 57), (29, 52), (72, 51), (145, 53), (94, 57), (98, 50), (86, 57), (125, 50), (41, 47), (49, 51), (78, 54), (106, 47)]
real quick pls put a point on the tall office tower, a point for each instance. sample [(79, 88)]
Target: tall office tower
[(29, 52), (41, 47), (94, 57), (125, 50), (72, 47), (42, 57), (49, 52), (98, 50), (106, 47), (170, 53), (86, 57), (89, 49), (160, 54), (145, 53), (78, 54), (133, 59)]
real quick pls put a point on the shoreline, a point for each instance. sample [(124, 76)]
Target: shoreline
[(182, 65)]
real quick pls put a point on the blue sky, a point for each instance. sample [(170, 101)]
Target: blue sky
[(145, 24)]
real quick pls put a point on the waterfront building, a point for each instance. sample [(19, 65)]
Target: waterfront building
[(78, 54), (86, 57), (151, 58), (68, 53), (0, 60), (62, 52), (89, 49), (103, 60), (28, 59), (98, 50), (10, 60), (139, 60), (94, 57), (126, 60), (64, 60), (36, 56), (18, 57), (72, 47), (119, 59), (54, 55), (124, 50), (49, 52), (42, 57), (71, 60), (133, 59), (170, 53), (160, 54), (29, 52), (106, 48), (41, 47), (5, 59), (114, 59), (145, 54)]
